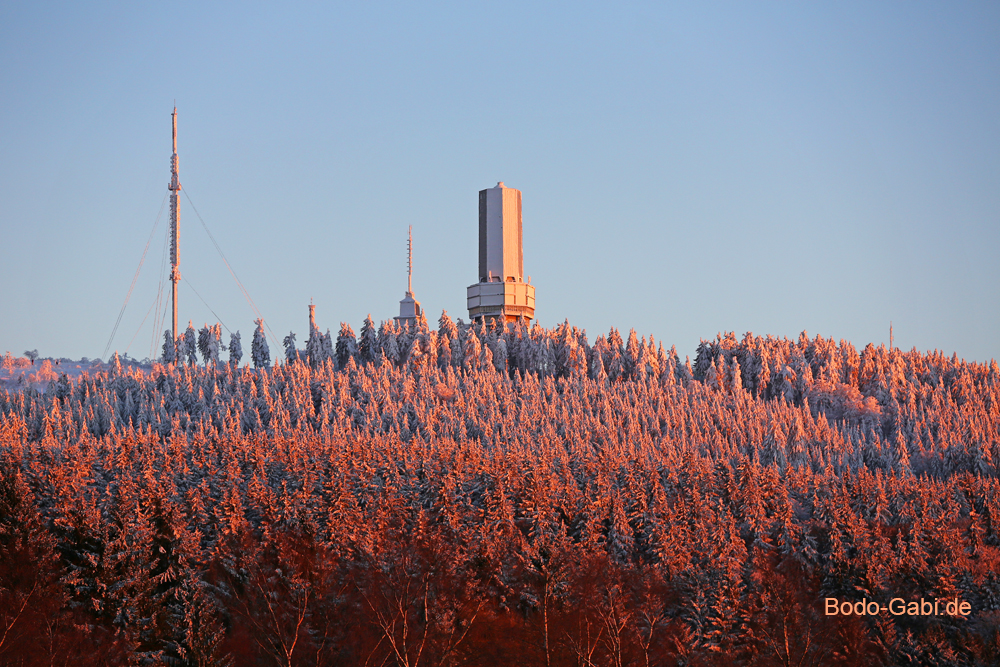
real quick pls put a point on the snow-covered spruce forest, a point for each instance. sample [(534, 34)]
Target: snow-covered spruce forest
[(494, 496)]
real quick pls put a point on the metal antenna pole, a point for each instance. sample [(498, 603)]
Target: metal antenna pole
[(409, 263), (175, 219)]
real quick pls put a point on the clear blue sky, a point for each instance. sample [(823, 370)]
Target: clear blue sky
[(769, 167)]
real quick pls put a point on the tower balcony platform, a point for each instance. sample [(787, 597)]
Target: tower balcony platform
[(509, 300)]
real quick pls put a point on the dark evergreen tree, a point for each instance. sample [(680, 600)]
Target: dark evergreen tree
[(259, 349), (447, 328), (314, 346), (291, 354), (169, 348), (387, 343), (347, 345), (191, 344), (235, 349), (368, 345)]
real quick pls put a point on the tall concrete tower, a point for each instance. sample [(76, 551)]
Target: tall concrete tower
[(409, 308), (175, 219), (501, 291)]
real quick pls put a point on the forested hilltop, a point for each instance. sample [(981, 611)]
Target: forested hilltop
[(494, 496)]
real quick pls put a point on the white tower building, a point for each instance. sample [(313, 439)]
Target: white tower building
[(501, 291), (409, 308)]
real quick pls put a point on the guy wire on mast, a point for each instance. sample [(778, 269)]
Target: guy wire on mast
[(173, 191)]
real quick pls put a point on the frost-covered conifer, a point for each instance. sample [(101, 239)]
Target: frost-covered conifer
[(597, 367), (259, 349), (235, 349), (428, 339), (191, 344), (563, 344), (480, 329), (686, 373), (787, 380), (443, 351), (446, 327), (632, 356), (620, 540), (314, 345), (712, 376), (600, 345), (387, 343), (327, 346), (368, 345), (649, 361), (545, 356), (169, 348), (204, 336), (668, 370), (613, 355), (500, 359), (734, 376), (291, 354), (215, 345), (486, 356), (414, 355), (347, 345), (473, 351), (576, 362), (570, 357)]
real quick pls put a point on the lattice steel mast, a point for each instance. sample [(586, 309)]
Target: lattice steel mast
[(175, 219)]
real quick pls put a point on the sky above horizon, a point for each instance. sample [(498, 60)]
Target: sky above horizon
[(685, 170)]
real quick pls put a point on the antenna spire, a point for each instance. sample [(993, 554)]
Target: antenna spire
[(409, 263), (175, 219)]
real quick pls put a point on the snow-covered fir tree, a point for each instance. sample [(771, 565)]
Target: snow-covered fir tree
[(169, 348), (446, 327), (259, 349), (291, 354), (347, 345), (191, 344), (387, 343), (314, 346), (204, 340), (235, 349), (215, 345), (328, 346), (368, 348)]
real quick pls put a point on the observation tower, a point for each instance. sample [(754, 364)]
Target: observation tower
[(501, 292)]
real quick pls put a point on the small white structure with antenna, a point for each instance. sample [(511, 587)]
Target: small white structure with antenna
[(409, 308)]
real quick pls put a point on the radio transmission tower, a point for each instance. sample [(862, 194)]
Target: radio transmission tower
[(409, 308), (175, 219)]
